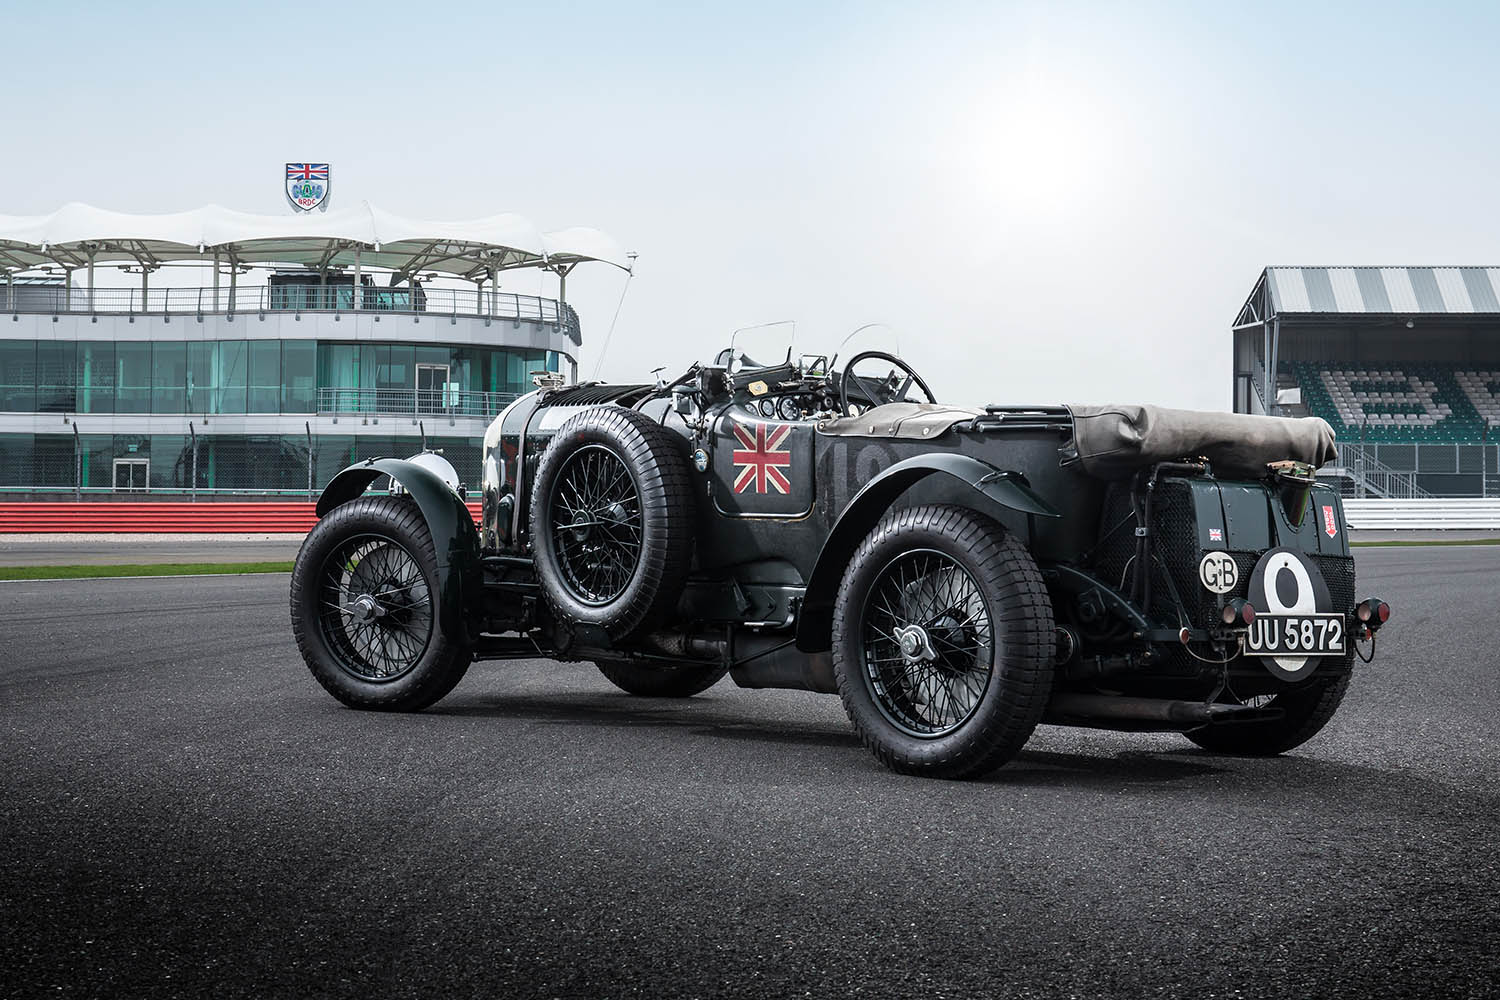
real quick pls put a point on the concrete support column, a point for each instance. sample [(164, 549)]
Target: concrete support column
[(92, 307), (358, 298), (216, 281)]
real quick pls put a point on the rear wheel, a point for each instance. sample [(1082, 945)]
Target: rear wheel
[(664, 681), (1306, 711), (942, 642), (365, 608)]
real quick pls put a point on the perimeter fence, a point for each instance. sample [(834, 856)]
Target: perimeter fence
[(192, 465)]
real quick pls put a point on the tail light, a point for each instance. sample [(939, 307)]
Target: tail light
[(1238, 612), (1373, 613)]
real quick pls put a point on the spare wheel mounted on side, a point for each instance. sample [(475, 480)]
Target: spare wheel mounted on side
[(611, 521)]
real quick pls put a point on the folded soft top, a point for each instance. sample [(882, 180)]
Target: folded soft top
[(1115, 441)]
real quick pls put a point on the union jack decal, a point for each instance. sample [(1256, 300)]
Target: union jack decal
[(761, 457)]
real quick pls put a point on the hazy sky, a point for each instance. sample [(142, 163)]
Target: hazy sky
[(1051, 202)]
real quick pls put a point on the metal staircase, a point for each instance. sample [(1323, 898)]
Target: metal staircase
[(1368, 477)]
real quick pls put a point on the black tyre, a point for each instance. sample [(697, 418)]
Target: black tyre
[(1306, 711), (611, 521), (662, 681), (943, 642), (364, 608)]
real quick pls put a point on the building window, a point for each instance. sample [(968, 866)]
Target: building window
[(231, 375), (96, 377), (18, 376), (133, 381), (265, 376), (55, 376), (168, 378), (299, 376)]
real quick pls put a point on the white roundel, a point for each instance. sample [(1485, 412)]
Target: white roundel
[(1304, 600), (1285, 583), (1218, 572)]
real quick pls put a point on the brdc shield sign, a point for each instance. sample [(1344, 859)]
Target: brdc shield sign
[(307, 185)]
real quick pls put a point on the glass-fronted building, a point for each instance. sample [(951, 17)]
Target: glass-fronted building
[(268, 386), (452, 390)]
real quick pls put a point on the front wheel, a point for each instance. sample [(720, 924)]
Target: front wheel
[(365, 608), (942, 642)]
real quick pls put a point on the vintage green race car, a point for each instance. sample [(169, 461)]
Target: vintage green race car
[(957, 575)]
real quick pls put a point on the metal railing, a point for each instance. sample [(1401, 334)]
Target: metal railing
[(413, 402), (1429, 513), (54, 300)]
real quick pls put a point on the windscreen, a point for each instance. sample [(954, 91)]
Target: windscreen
[(870, 337), (765, 345)]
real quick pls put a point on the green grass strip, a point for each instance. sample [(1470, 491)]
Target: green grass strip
[(139, 569), (1407, 543)]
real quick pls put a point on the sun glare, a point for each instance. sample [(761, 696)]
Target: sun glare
[(1037, 149)]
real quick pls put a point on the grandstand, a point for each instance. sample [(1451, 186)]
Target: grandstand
[(1404, 362)]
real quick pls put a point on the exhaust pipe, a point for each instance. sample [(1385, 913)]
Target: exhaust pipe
[(1067, 708), (760, 660)]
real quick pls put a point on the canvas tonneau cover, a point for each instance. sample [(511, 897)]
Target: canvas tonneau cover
[(1115, 441)]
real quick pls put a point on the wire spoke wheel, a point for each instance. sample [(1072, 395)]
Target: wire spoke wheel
[(596, 525), (375, 608), (927, 643)]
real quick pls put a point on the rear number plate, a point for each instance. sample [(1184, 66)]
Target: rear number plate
[(1296, 635)]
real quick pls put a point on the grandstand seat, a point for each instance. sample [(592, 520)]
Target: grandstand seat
[(1394, 403), (1482, 389)]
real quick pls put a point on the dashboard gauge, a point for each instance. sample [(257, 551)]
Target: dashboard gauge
[(767, 408), (789, 409)]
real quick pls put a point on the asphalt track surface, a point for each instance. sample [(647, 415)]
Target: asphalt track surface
[(184, 812)]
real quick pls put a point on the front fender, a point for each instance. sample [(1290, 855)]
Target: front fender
[(1008, 489), (455, 540)]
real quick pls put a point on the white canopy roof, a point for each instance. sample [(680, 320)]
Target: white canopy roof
[(75, 233)]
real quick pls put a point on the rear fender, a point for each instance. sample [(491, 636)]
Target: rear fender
[(1008, 489), (455, 540)]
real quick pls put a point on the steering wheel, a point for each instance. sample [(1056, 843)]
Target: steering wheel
[(880, 391)]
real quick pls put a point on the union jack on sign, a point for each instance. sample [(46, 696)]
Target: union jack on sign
[(761, 457), (307, 171)]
